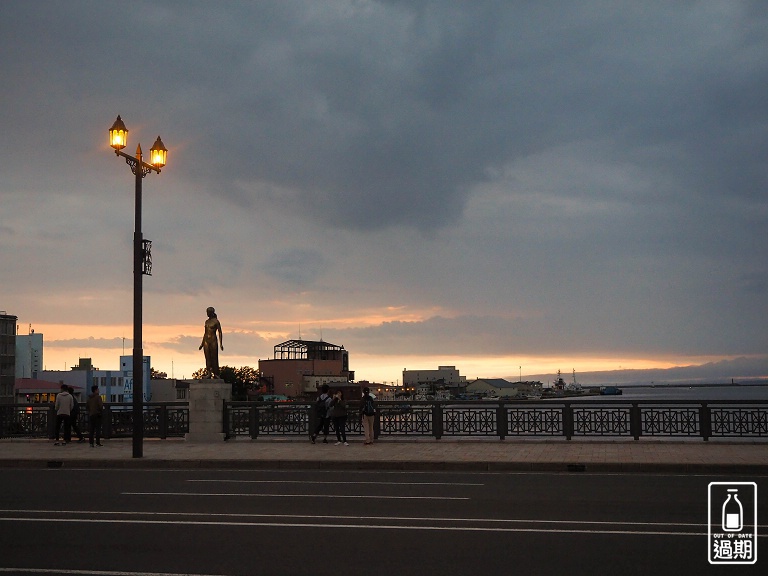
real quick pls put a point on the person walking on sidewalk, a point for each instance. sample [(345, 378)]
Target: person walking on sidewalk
[(63, 407), (75, 416), (367, 414), (322, 408), (95, 407), (339, 416)]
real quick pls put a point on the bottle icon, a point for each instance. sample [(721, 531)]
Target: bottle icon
[(733, 513)]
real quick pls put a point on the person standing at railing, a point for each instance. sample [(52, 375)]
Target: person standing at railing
[(323, 411), (367, 414), (75, 415), (95, 406), (63, 407), (339, 416)]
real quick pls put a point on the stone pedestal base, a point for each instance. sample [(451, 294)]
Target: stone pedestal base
[(206, 410)]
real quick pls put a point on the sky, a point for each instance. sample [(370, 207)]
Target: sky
[(511, 188)]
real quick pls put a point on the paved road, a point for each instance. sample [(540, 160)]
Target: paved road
[(318, 522)]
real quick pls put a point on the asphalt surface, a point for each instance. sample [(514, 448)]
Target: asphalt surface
[(206, 522), (690, 456)]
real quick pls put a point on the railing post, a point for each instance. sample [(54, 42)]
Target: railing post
[(568, 420), (52, 422), (705, 421), (106, 422), (253, 422), (163, 421), (501, 420), (437, 420), (225, 419), (635, 421)]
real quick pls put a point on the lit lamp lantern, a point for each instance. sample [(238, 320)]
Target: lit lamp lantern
[(157, 154), (118, 135)]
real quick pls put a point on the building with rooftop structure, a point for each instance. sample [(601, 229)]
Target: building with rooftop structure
[(300, 367)]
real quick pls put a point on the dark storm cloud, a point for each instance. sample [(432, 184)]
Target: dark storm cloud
[(368, 114), (296, 267)]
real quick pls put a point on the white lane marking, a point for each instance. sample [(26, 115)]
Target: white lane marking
[(293, 495), (348, 517), (354, 526), (341, 482)]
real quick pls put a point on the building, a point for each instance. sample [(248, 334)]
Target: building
[(429, 381), (114, 385), (7, 356), (493, 387), (300, 367), (126, 370), (29, 354), (34, 391)]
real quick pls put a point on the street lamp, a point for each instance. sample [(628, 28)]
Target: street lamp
[(142, 264)]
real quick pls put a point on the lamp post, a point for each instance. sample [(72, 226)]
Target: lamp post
[(142, 264)]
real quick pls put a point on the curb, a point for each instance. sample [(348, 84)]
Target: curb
[(395, 465)]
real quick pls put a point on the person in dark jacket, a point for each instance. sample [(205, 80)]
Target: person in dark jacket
[(75, 416), (95, 407), (367, 415), (322, 405), (339, 417)]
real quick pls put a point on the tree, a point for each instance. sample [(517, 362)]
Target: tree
[(155, 375), (242, 379)]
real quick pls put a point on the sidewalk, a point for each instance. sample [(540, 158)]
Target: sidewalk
[(629, 456)]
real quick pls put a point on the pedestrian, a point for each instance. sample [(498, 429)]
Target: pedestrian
[(75, 415), (339, 416), (63, 407), (367, 413), (322, 406), (95, 407)]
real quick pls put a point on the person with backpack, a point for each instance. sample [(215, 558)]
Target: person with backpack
[(75, 415), (339, 417), (322, 410), (367, 413)]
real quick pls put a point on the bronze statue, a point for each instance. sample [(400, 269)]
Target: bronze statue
[(210, 344)]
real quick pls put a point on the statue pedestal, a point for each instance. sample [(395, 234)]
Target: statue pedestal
[(206, 410)]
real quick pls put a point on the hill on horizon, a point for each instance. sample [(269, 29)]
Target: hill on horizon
[(739, 370)]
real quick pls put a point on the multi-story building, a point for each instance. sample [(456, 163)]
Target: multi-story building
[(300, 367), (427, 381), (7, 357), (114, 385), (29, 354)]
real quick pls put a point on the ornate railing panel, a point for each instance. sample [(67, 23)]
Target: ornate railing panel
[(31, 421), (279, 420), (472, 421), (405, 420), (535, 421), (670, 421), (738, 421), (601, 421)]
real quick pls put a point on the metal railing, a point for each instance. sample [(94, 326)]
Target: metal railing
[(568, 419), (161, 420)]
